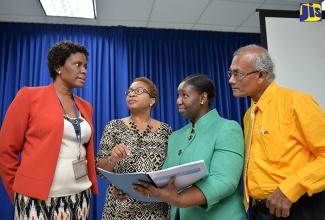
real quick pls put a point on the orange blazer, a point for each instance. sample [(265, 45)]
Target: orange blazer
[(30, 141)]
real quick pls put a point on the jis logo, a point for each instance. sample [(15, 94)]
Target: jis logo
[(310, 12)]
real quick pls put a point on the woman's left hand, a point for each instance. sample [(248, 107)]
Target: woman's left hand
[(167, 194), (120, 195)]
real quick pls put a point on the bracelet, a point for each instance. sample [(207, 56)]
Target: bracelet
[(110, 160)]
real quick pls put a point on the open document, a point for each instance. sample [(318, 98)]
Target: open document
[(186, 175)]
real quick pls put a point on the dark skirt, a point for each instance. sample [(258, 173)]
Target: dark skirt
[(71, 207)]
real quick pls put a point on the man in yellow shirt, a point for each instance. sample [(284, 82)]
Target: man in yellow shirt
[(284, 172)]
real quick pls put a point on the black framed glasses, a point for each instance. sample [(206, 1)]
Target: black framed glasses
[(238, 75), (137, 91)]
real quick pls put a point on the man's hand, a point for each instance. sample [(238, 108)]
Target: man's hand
[(278, 204)]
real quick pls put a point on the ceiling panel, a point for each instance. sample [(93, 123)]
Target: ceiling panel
[(224, 13), (20, 7), (124, 10), (211, 15), (180, 11), (122, 23), (186, 26)]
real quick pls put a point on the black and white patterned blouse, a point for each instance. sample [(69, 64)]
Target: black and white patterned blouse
[(148, 152)]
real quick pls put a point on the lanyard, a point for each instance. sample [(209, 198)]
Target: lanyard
[(76, 126)]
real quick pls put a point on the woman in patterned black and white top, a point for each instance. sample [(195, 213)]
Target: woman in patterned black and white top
[(136, 143)]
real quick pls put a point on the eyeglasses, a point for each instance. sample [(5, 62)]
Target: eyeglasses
[(137, 91), (240, 75)]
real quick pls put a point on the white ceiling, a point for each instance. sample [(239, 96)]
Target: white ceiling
[(211, 15)]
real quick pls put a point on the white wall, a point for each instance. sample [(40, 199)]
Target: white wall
[(298, 50)]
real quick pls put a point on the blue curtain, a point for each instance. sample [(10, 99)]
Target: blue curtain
[(117, 56)]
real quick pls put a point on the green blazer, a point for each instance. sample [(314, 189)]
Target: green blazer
[(219, 142)]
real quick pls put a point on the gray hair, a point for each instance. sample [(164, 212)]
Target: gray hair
[(261, 61)]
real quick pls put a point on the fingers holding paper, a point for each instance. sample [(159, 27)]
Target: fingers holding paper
[(167, 194), (188, 197), (120, 195)]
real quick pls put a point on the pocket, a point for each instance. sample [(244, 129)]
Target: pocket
[(271, 146)]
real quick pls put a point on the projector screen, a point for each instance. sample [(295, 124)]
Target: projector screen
[(298, 51)]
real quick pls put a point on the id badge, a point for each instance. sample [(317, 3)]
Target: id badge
[(80, 168)]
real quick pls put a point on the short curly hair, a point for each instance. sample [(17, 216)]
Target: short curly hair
[(151, 87), (60, 52)]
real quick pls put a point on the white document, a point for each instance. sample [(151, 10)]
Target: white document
[(185, 174)]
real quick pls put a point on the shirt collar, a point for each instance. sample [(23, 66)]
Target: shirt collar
[(267, 95), (205, 119)]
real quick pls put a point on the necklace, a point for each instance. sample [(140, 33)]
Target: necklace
[(193, 130), (138, 134), (135, 127), (75, 123)]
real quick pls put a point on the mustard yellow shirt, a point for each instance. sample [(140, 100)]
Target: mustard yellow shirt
[(288, 145)]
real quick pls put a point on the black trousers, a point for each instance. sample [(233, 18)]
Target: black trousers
[(306, 208)]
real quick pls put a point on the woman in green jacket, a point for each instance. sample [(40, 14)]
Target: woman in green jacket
[(219, 142)]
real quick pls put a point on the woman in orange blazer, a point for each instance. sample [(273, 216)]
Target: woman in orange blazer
[(46, 142)]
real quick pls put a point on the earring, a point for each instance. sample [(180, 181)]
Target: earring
[(150, 104), (202, 102)]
